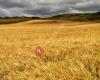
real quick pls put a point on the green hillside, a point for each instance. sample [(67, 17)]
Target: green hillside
[(78, 17)]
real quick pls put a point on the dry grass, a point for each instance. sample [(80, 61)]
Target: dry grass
[(72, 52)]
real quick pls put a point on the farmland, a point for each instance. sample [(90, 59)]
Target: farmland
[(72, 50)]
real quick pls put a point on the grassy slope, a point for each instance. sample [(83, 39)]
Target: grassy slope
[(73, 52), (78, 17)]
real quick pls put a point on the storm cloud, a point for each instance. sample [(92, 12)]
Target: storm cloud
[(46, 7)]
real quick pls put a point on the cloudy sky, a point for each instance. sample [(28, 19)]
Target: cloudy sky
[(46, 7)]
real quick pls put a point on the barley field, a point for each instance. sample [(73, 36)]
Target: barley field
[(72, 50)]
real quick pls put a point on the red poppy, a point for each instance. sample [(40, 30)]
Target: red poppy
[(39, 51)]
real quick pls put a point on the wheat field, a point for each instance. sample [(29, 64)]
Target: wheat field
[(72, 50)]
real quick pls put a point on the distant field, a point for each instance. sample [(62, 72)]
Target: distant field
[(9, 21), (72, 50), (13, 20)]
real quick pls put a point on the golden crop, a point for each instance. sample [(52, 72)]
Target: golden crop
[(72, 50)]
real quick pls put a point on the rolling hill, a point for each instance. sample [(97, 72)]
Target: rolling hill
[(66, 17), (78, 17)]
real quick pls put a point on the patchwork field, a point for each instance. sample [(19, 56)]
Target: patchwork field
[(72, 50)]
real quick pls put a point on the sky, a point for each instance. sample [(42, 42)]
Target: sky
[(44, 8)]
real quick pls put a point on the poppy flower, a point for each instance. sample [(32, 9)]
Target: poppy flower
[(39, 51)]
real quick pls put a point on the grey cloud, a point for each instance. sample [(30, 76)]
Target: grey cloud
[(46, 7), (88, 6)]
